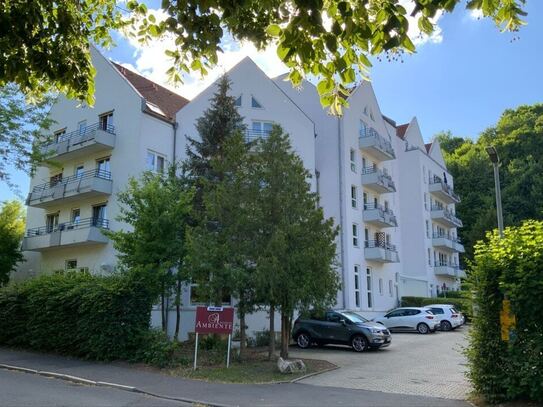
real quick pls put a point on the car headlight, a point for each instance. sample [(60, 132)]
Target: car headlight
[(376, 331)]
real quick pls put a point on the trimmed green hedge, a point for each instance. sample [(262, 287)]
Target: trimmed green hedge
[(78, 314), (461, 304), (510, 267)]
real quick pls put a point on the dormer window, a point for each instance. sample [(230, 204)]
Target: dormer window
[(255, 103), (237, 102)]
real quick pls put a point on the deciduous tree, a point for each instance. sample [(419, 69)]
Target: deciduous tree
[(12, 226), (156, 208)]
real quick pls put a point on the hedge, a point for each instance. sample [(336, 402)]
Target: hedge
[(508, 268), (78, 314)]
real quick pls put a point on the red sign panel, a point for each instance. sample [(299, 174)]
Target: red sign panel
[(214, 320)]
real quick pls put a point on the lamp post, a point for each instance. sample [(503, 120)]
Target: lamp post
[(493, 155)]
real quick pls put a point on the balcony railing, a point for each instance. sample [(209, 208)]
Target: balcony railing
[(253, 135), (370, 139), (446, 236), (75, 233), (379, 215), (380, 251), (443, 190), (378, 180), (446, 216), (450, 269), (76, 224), (92, 138), (88, 183)]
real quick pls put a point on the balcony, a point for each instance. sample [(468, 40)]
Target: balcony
[(446, 217), (445, 241), (449, 270), (373, 143), (92, 139), (87, 184), (380, 252), (377, 180), (443, 191), (76, 233), (255, 135), (379, 216)]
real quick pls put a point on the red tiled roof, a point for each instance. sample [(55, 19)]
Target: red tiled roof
[(428, 147), (401, 129), (166, 100)]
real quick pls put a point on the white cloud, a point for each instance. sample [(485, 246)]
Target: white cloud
[(150, 59), (476, 14)]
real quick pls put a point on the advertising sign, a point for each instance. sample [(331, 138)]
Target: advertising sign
[(214, 320)]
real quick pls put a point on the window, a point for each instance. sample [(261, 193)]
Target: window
[(354, 199), (357, 286), (427, 229), (51, 222), (82, 126), (425, 201), (197, 297), (390, 288), (75, 216), (58, 135), (368, 287), (102, 167), (437, 311), (105, 121), (237, 102), (352, 155), (380, 286), (99, 215), (429, 257), (255, 103), (355, 235), (261, 129), (155, 162), (70, 264), (366, 235), (365, 200), (55, 179), (79, 171)]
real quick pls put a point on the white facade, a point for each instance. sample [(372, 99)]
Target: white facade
[(372, 177)]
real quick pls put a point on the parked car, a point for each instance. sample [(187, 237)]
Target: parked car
[(421, 320), (448, 316), (340, 327)]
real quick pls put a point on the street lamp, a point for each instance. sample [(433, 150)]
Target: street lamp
[(493, 155)]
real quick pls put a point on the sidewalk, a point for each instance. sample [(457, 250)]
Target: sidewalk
[(290, 394)]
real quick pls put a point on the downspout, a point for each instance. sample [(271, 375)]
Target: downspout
[(342, 212), (175, 125)]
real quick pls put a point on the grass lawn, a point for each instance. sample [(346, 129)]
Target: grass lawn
[(255, 369)]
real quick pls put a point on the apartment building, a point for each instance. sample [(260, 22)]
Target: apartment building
[(390, 193), (94, 151)]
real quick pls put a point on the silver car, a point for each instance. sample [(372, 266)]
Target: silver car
[(409, 319)]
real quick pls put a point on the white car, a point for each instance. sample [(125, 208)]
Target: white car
[(421, 320), (448, 316)]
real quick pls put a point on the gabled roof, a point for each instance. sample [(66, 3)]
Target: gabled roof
[(389, 120), (401, 129), (428, 146), (160, 101)]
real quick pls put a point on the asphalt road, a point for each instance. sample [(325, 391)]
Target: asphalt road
[(23, 389)]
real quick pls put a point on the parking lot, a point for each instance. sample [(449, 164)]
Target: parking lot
[(428, 365)]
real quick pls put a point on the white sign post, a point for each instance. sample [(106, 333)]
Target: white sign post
[(196, 351)]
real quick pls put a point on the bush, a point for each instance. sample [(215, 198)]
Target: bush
[(78, 314), (510, 267)]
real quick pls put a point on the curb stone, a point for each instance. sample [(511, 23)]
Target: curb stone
[(122, 387)]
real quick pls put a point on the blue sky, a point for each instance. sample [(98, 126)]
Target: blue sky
[(461, 79)]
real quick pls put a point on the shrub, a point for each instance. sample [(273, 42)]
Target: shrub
[(78, 314), (510, 267)]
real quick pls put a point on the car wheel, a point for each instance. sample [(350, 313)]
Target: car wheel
[(303, 340), (423, 328), (359, 343), (446, 326)]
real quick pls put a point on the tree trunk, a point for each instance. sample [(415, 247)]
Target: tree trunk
[(242, 335), (177, 307), (163, 308), (285, 335), (271, 345)]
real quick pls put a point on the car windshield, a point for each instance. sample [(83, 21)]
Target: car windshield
[(354, 317)]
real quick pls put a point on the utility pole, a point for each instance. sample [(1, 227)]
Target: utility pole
[(493, 155)]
